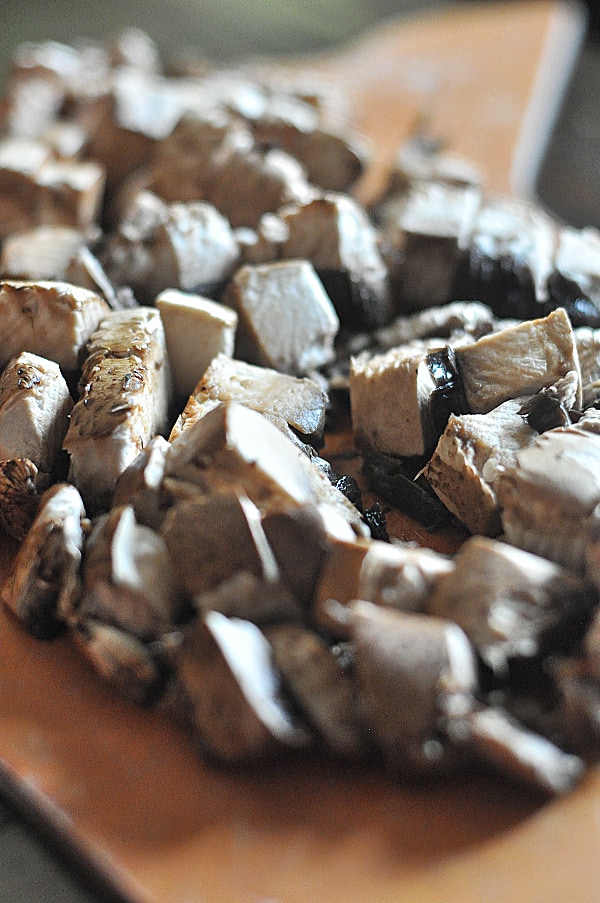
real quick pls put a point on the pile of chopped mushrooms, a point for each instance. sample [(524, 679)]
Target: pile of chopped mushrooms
[(191, 297)]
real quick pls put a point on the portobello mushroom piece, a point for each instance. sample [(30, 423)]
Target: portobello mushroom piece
[(548, 497), (20, 492), (508, 258), (412, 672), (471, 454), (575, 279), (45, 252), (286, 320), (263, 243), (423, 240), (140, 484), (230, 692), (39, 189), (127, 123), (512, 604), (540, 352), (423, 159), (187, 160), (336, 235), (197, 330), (401, 575), (248, 183), (587, 341), (125, 392), (121, 660), (235, 446), (332, 157), (318, 685), (449, 321), (186, 246), (127, 577), (44, 584), (51, 319), (60, 253), (390, 401), (204, 557), (501, 741), (35, 405), (296, 405)]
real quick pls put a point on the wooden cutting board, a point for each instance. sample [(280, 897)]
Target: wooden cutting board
[(122, 788)]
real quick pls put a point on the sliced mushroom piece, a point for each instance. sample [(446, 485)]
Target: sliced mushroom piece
[(540, 352), (471, 455), (300, 538), (401, 576), (231, 692), (140, 484), (52, 319), (233, 444), (553, 406), (575, 280), (522, 754), (39, 189), (212, 538), (44, 585), (323, 691), (292, 403), (510, 603), (125, 393), (121, 660), (127, 577), (390, 401), (41, 253), (588, 352), (35, 404), (508, 258), (248, 183), (332, 160), (448, 320), (186, 246), (20, 492), (286, 320), (549, 495), (335, 234), (197, 330), (412, 672), (423, 238)]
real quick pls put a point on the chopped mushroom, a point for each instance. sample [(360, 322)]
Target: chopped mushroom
[(44, 585), (318, 685), (472, 453), (188, 246), (52, 319), (125, 396), (510, 603), (411, 670), (231, 693), (286, 320), (197, 330), (127, 577), (20, 490), (35, 405), (540, 352), (296, 405), (549, 495)]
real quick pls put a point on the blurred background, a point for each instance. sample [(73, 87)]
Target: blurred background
[(223, 29)]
